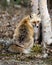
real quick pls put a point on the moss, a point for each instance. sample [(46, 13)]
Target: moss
[(37, 48)]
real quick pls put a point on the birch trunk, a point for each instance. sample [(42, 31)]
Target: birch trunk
[(46, 26), (34, 4), (46, 22)]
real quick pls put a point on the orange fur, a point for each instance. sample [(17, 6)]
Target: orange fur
[(23, 34)]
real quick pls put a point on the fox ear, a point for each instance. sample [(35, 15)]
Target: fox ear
[(26, 19)]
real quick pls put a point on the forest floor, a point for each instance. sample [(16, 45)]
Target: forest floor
[(9, 18)]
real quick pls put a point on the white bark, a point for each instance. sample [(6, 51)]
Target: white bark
[(34, 4), (46, 22)]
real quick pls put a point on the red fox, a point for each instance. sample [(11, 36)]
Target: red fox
[(23, 34)]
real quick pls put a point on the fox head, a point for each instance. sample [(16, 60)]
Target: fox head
[(35, 20)]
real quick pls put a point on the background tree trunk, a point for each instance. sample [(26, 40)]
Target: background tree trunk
[(8, 1), (46, 22), (46, 25)]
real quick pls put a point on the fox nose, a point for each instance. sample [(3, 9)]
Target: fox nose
[(37, 26)]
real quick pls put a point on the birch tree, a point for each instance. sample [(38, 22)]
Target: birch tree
[(46, 24), (46, 21)]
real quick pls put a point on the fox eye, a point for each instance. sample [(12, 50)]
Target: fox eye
[(34, 22), (37, 21)]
